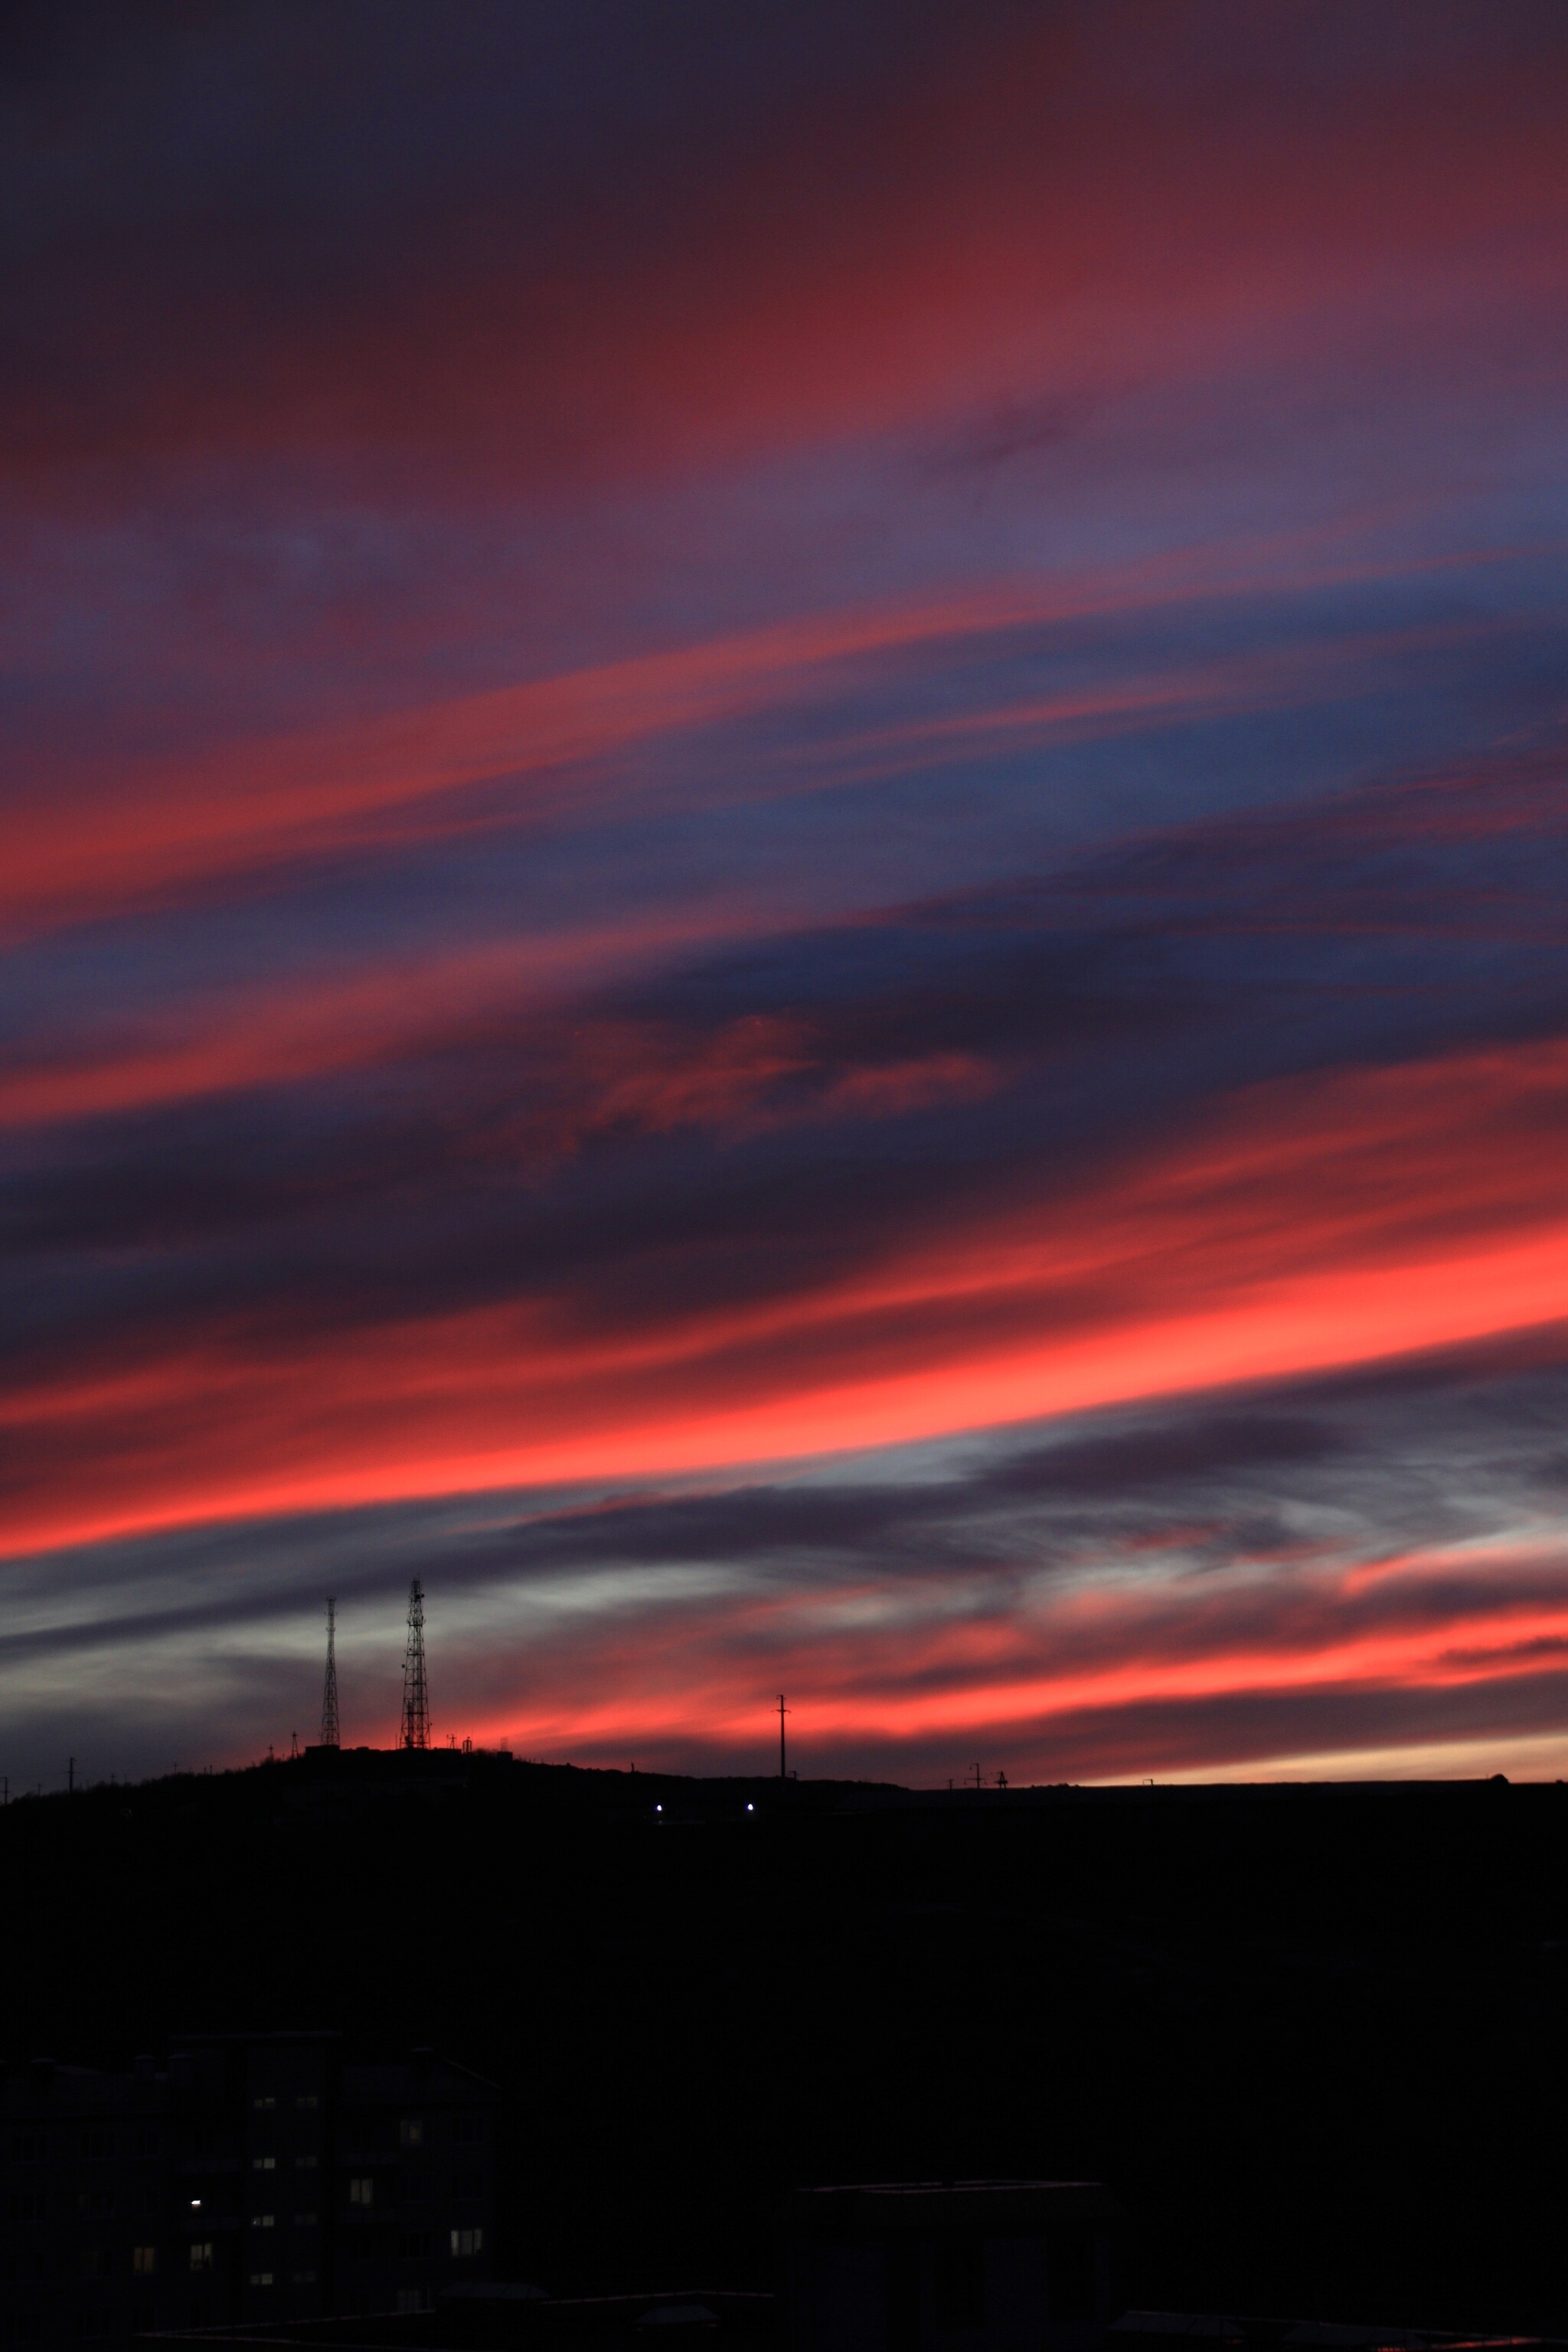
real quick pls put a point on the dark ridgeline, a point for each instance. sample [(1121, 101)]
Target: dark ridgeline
[(1311, 2038)]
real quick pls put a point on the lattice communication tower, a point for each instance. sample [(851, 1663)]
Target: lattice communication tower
[(416, 1692), (329, 1687)]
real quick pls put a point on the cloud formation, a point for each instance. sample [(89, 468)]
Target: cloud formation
[(785, 835), (1316, 1573)]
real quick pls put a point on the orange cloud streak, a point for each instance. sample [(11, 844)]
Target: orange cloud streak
[(336, 1022), (718, 1714), (1318, 1225), (1278, 678), (150, 828), (1109, 1652), (89, 840)]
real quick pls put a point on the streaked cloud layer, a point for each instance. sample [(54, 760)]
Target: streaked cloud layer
[(785, 835)]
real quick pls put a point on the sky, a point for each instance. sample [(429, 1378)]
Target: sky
[(783, 882)]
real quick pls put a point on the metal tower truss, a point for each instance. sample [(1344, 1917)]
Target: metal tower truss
[(415, 1691), (329, 1687)]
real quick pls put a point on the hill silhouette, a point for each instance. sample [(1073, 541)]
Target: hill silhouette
[(1313, 2038)]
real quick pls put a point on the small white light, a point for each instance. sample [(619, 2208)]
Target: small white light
[(658, 1809), (749, 1809), (194, 2202)]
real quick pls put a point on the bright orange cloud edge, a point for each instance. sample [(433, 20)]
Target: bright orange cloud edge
[(1316, 1226)]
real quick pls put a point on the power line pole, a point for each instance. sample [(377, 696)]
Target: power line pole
[(329, 1687), (416, 1692), (783, 1712)]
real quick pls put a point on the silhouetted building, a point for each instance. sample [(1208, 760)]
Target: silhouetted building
[(966, 2266), (249, 2177)]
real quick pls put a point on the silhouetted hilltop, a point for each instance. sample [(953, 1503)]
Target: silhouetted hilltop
[(350, 1782), (1312, 2038)]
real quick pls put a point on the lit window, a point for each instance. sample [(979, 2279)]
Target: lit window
[(306, 2100), (305, 2163), (261, 2106), (304, 2278), (260, 2278), (202, 2257), (411, 2132), (263, 2220), (361, 2192), (144, 2261), (468, 2242), (264, 2164)]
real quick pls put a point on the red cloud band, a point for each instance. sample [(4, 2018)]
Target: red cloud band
[(1316, 1224)]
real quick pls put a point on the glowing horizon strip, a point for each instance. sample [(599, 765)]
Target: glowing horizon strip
[(1422, 1660)]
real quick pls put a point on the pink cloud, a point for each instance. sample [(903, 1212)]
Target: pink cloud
[(1311, 1225)]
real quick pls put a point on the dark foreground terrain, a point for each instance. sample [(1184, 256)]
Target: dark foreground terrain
[(1313, 2038)]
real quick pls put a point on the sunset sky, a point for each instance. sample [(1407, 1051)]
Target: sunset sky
[(783, 881)]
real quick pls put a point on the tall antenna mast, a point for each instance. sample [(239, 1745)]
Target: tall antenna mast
[(329, 1687), (416, 1695), (783, 1712)]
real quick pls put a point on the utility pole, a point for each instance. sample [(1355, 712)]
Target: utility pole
[(416, 1692), (329, 1687), (783, 1712)]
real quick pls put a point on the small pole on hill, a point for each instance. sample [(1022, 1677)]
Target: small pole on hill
[(783, 1712)]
